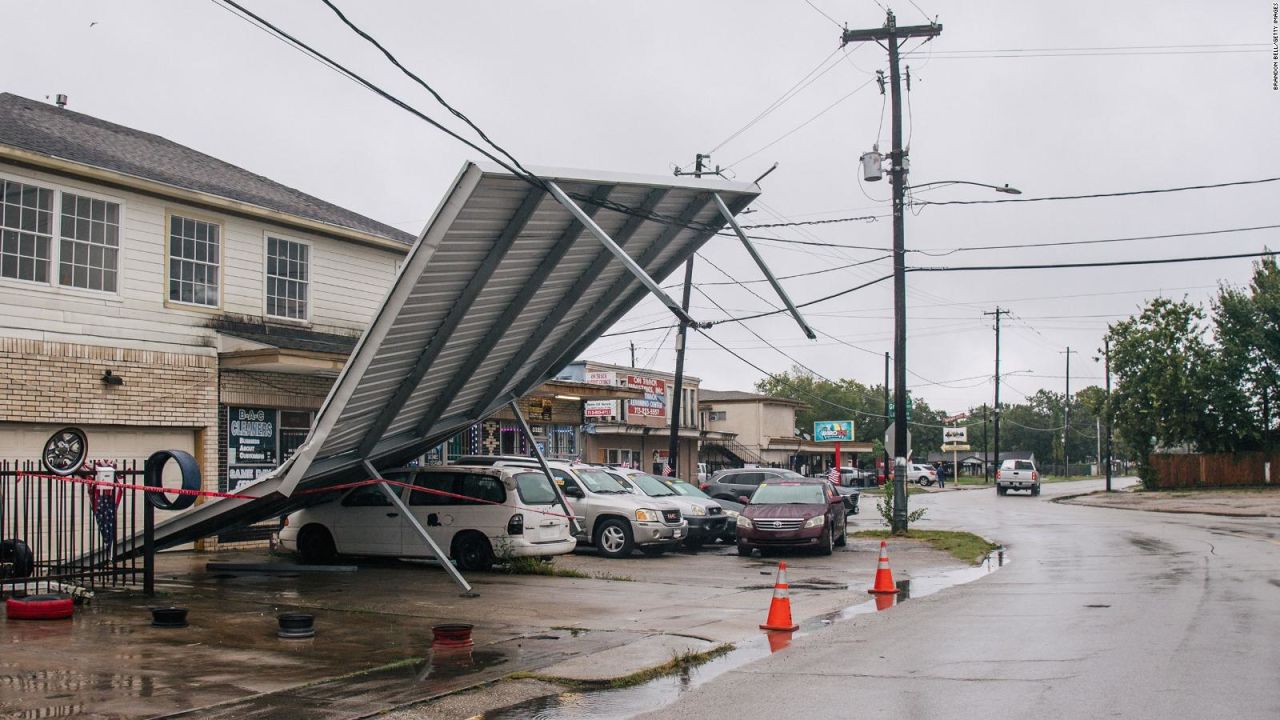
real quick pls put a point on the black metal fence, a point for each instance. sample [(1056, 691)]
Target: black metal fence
[(58, 535)]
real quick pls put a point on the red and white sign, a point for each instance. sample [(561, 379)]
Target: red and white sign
[(600, 408), (654, 403)]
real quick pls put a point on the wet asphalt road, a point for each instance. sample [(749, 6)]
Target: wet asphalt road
[(1100, 613)]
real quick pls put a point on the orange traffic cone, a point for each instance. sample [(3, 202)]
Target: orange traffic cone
[(780, 608), (778, 640), (884, 576), (884, 601)]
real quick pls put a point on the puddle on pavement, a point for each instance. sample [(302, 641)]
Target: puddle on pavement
[(628, 702)]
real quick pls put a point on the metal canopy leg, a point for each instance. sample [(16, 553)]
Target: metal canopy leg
[(440, 554), (621, 254), (528, 434), (795, 312)]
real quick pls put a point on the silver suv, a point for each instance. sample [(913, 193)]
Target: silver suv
[(612, 519), (707, 519)]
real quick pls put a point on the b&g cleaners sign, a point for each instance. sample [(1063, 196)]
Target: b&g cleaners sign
[(251, 436)]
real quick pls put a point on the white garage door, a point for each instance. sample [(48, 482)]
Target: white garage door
[(23, 441)]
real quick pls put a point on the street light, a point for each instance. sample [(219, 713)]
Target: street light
[(998, 188)]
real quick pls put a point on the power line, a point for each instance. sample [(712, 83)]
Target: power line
[(782, 99), (861, 218), (1167, 236), (1127, 193), (799, 127), (1112, 263), (823, 14)]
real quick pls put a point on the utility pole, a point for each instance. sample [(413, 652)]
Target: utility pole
[(678, 392), (677, 398), (996, 410), (887, 459), (1106, 344), (633, 354), (890, 36), (1066, 416), (986, 449)]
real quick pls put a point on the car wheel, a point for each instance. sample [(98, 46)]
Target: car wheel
[(1001, 491), (472, 552), (825, 544), (844, 534), (315, 545), (613, 538), (1035, 490), (744, 550)]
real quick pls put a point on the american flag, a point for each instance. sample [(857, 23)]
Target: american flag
[(666, 469), (104, 501), (833, 475)]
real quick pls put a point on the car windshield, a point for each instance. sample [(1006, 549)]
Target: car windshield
[(535, 489), (789, 475), (599, 481), (683, 488), (651, 485), (807, 494)]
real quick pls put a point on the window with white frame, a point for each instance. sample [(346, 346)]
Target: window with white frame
[(194, 256), (288, 278), (26, 231), (89, 243)]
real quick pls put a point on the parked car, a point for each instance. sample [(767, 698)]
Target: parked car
[(793, 514), (612, 519), (732, 508), (922, 474), (733, 483), (1017, 475), (703, 473), (706, 518), (513, 511)]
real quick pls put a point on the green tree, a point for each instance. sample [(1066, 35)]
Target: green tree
[(1161, 363)]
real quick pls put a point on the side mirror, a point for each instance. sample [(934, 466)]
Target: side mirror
[(573, 492), (744, 499)]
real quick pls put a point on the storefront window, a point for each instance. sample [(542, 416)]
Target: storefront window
[(294, 426)]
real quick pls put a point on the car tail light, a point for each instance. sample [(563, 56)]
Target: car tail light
[(997, 474), (704, 486), (1034, 476), (515, 526), (284, 521)]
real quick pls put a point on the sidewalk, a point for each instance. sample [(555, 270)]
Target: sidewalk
[(1250, 502)]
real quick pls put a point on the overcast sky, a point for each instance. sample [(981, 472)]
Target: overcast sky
[(1152, 95)]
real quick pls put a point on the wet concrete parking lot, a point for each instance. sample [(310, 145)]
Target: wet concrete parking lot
[(372, 649)]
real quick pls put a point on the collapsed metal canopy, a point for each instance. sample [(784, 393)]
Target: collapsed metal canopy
[(504, 287)]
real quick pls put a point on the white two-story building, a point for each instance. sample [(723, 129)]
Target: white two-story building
[(158, 298)]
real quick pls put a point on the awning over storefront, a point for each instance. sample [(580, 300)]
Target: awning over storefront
[(798, 445), (510, 280)]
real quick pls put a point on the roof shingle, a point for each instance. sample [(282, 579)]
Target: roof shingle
[(48, 130)]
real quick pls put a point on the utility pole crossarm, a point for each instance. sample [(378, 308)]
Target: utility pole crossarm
[(891, 31)]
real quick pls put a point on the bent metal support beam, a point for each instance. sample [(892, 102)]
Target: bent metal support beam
[(542, 462), (619, 253), (440, 555), (777, 287), (405, 366)]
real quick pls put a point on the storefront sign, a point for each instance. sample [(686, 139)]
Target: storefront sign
[(540, 409), (654, 403), (251, 436), (833, 430), (600, 377), (600, 408)]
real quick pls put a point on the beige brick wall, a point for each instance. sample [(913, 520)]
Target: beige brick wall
[(278, 390)]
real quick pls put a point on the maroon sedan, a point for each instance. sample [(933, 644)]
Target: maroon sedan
[(792, 515)]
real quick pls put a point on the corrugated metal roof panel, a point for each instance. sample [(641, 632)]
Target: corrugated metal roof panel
[(503, 288)]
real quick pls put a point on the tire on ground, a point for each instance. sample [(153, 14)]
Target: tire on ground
[(613, 538), (39, 607)]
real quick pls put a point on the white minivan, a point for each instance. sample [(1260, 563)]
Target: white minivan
[(476, 515)]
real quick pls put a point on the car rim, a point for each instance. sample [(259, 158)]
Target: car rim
[(612, 539)]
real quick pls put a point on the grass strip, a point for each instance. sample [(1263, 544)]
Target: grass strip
[(964, 546), (535, 566), (678, 663)]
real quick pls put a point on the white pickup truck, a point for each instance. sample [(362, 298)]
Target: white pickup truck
[(1017, 475)]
